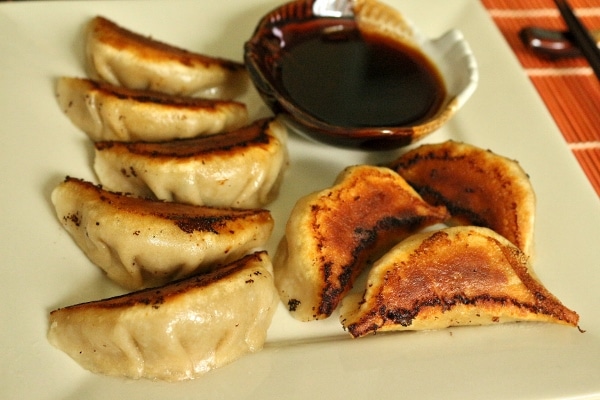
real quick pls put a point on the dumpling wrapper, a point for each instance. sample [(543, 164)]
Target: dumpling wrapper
[(107, 112), (140, 243), (176, 332), (332, 234), (477, 186), (242, 168), (451, 277), (125, 58)]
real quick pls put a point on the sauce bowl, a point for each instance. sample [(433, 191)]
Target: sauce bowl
[(349, 101)]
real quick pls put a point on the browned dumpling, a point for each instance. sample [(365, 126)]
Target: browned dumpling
[(121, 57), (174, 332), (456, 276), (141, 243), (242, 168), (108, 112), (477, 186), (332, 234)]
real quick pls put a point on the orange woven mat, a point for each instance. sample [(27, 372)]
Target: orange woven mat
[(568, 86)]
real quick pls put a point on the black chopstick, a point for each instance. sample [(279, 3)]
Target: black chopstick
[(581, 36)]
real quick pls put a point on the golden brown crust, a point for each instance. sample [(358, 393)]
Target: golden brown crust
[(152, 50), (229, 143), (149, 96), (456, 276), (122, 57), (377, 214), (332, 235), (156, 296), (477, 186), (186, 217)]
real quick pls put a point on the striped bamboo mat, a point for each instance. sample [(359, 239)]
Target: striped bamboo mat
[(568, 86)]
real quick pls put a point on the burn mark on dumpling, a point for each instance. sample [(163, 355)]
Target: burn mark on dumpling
[(254, 134), (405, 316), (188, 218), (201, 224), (74, 218), (129, 173), (293, 304), (154, 300)]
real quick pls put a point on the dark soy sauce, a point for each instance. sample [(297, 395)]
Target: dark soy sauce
[(345, 78)]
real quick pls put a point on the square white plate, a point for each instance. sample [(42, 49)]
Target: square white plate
[(42, 268)]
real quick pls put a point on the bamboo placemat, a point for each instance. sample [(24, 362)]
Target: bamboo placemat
[(568, 86)]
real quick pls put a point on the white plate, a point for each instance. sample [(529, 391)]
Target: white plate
[(43, 269)]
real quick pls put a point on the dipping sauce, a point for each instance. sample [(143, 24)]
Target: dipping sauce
[(346, 78)]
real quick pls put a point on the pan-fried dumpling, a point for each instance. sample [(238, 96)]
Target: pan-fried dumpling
[(332, 234), (452, 277), (477, 186), (141, 243), (175, 332), (242, 168), (107, 112), (121, 57)]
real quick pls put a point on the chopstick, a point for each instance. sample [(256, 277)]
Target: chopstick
[(581, 36)]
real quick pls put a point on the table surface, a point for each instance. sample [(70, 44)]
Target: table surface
[(568, 87)]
